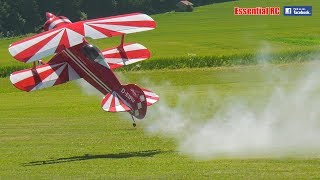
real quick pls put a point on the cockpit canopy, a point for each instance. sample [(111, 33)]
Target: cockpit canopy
[(93, 53)]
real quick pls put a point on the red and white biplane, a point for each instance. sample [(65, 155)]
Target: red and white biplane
[(76, 58)]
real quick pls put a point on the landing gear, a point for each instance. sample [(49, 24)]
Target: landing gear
[(134, 122)]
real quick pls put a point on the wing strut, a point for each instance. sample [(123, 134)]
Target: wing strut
[(123, 52), (122, 40)]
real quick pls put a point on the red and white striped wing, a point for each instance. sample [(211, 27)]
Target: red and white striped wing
[(55, 40), (150, 96), (45, 44), (128, 54), (112, 103), (43, 76), (118, 25)]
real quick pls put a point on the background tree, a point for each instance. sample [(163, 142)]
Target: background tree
[(27, 16)]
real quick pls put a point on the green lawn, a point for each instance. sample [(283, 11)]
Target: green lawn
[(62, 133), (214, 30)]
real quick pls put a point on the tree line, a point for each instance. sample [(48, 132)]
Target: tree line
[(18, 17)]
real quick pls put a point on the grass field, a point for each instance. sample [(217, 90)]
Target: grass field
[(62, 133)]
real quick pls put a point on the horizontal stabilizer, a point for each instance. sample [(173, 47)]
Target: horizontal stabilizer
[(43, 76), (125, 55), (150, 96), (112, 103)]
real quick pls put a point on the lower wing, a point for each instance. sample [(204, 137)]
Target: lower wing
[(127, 54), (43, 76)]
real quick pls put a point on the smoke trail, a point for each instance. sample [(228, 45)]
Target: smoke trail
[(88, 89), (287, 122)]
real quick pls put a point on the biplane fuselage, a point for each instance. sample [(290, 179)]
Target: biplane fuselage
[(99, 76)]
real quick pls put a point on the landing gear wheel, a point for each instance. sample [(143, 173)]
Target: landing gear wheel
[(134, 122)]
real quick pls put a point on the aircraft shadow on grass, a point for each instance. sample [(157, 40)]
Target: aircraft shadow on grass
[(148, 153)]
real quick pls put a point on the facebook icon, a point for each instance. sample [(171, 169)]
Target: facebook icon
[(287, 11), (297, 10)]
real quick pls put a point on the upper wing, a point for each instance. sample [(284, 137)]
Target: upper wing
[(55, 40), (118, 25)]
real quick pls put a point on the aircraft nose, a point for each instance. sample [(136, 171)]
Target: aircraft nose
[(49, 15)]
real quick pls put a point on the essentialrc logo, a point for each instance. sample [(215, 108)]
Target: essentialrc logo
[(239, 11), (297, 10)]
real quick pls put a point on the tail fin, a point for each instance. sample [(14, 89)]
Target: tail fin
[(128, 98)]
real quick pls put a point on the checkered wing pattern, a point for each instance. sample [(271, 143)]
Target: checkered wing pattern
[(128, 98)]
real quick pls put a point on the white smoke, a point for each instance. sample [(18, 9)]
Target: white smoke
[(88, 89), (286, 122)]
